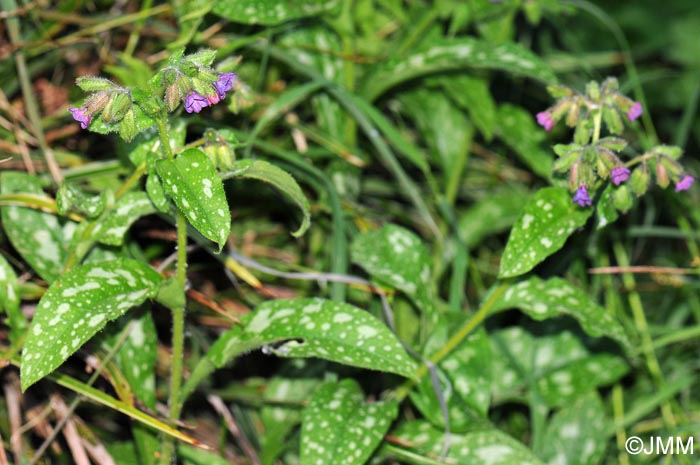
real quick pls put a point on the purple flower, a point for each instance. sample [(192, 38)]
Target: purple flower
[(82, 116), (635, 111), (581, 196), (195, 102), (544, 119), (684, 183), (619, 174), (224, 84)]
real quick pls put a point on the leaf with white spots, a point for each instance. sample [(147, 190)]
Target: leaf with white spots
[(518, 129), (37, 236), (280, 179), (111, 229), (558, 365), (271, 12), (9, 300), (195, 187), (555, 297), (456, 54), (78, 305), (577, 434), (494, 213), (396, 257), (543, 227), (339, 428), (489, 447), (71, 198), (321, 328), (465, 378)]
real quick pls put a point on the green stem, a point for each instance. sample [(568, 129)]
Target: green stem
[(178, 334)]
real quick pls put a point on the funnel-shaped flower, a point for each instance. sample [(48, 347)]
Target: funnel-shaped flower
[(684, 183), (581, 196), (619, 174), (194, 102), (82, 116)]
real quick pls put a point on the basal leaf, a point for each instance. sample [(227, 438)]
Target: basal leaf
[(195, 187), (545, 223), (326, 329), (517, 128), (37, 236), (271, 12), (340, 428), (395, 256), (10, 300), (111, 229), (554, 297), (494, 213), (491, 446), (280, 179), (77, 306), (455, 54)]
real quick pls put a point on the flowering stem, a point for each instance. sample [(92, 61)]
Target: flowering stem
[(178, 332)]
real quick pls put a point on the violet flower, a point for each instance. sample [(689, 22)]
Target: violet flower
[(194, 102), (544, 119), (684, 183), (635, 111), (224, 84), (581, 196), (82, 116), (619, 174)]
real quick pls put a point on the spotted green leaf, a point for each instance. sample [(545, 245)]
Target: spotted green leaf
[(326, 329), (494, 213), (111, 229), (577, 434), (490, 446), (339, 428), (542, 299), (69, 197), (280, 179), (456, 54), (396, 257), (545, 223), (518, 129), (77, 306), (9, 300), (195, 187), (35, 235), (271, 12), (557, 365)]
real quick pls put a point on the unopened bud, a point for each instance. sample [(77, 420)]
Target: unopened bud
[(96, 102), (639, 181), (661, 176), (119, 103), (622, 198)]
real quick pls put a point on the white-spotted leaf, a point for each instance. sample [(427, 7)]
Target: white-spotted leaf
[(79, 304), (491, 446), (271, 12), (35, 235), (518, 129), (9, 300), (280, 179), (456, 54), (395, 256), (111, 229), (321, 328), (542, 299), (195, 187), (543, 227), (339, 428)]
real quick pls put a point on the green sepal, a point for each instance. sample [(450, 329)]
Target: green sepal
[(622, 198), (94, 84)]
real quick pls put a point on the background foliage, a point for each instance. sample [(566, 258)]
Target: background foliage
[(402, 135)]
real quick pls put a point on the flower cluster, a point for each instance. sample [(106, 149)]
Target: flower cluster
[(195, 102)]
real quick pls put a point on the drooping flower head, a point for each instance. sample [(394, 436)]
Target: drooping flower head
[(82, 116), (194, 102), (684, 183), (224, 84), (544, 119), (619, 174), (581, 196), (635, 111)]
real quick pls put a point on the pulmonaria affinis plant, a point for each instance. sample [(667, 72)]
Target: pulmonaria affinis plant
[(187, 79), (591, 159)]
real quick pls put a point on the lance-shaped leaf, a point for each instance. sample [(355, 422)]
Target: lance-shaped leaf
[(271, 12), (455, 54), (326, 329), (195, 187), (280, 179), (543, 227), (340, 428), (129, 208), (9, 300), (77, 306), (37, 236), (555, 297)]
